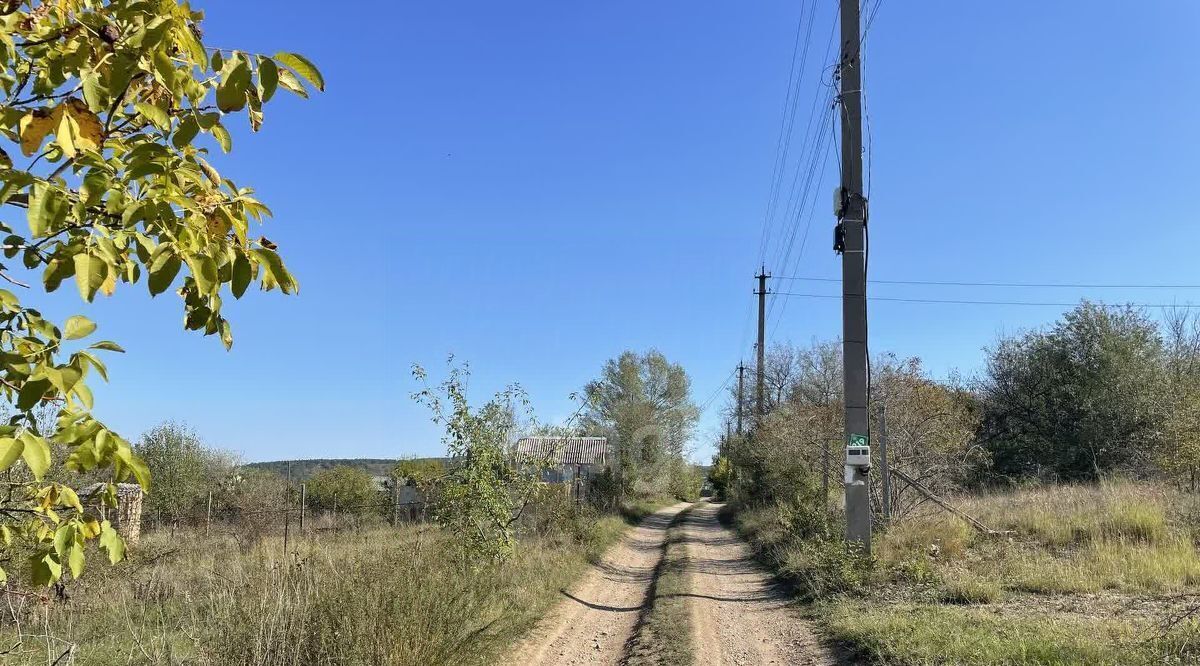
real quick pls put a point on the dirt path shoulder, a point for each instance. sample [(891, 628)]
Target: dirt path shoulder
[(740, 615), (597, 618)]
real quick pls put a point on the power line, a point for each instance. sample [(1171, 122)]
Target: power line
[(717, 392), (974, 302), (787, 122), (956, 283)]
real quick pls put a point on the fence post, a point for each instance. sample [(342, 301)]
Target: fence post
[(885, 473), (825, 473), (395, 501), (287, 509), (303, 504), (208, 516)]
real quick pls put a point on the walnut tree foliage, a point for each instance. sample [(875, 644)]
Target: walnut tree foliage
[(110, 110)]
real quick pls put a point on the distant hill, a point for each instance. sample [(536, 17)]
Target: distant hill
[(303, 469)]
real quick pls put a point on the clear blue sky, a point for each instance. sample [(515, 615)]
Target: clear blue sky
[(535, 186)]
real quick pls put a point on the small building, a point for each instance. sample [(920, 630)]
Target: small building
[(573, 461), (126, 517)]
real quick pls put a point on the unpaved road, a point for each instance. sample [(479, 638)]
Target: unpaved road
[(740, 616), (598, 616)]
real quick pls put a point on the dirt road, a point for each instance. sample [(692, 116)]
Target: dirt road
[(739, 614), (597, 618)]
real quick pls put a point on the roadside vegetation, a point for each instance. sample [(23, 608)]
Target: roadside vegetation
[(223, 574), (372, 596), (1073, 451)]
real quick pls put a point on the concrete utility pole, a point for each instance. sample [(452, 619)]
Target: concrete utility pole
[(760, 405), (851, 241), (740, 398)]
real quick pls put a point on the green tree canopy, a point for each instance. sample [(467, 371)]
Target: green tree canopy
[(110, 112), (643, 403), (184, 472), (344, 488), (1087, 397)]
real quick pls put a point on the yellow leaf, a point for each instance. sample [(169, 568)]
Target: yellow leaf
[(90, 130), (65, 134), (34, 127), (109, 285)]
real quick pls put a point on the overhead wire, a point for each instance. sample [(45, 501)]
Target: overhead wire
[(787, 122), (1041, 285), (1012, 303)]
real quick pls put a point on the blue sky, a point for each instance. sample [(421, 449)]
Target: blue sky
[(535, 186)]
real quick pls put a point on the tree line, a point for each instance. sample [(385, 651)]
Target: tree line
[(1103, 391)]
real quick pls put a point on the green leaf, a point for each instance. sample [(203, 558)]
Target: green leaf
[(112, 542), (155, 114), (108, 345), (268, 78), (226, 335), (303, 67), (44, 568), (187, 130), (10, 450), (36, 454), (31, 393), (141, 473), (84, 394), (231, 92), (204, 270), (222, 136), (289, 82), (242, 275), (165, 70), (68, 497), (47, 209), (64, 539), (94, 92), (90, 273), (75, 560), (95, 363), (163, 271), (275, 268), (78, 327)]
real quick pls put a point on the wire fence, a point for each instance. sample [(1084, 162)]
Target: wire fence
[(289, 517)]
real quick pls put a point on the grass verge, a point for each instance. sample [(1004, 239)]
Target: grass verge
[(1101, 574), (380, 596), (664, 632)]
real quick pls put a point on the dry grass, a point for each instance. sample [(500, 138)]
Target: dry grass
[(1056, 589), (1061, 516), (928, 634), (381, 596), (1065, 539)]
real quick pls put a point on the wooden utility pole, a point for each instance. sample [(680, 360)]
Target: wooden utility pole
[(851, 240), (760, 406), (208, 516), (740, 397)]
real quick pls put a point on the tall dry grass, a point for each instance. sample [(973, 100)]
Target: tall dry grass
[(381, 596)]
